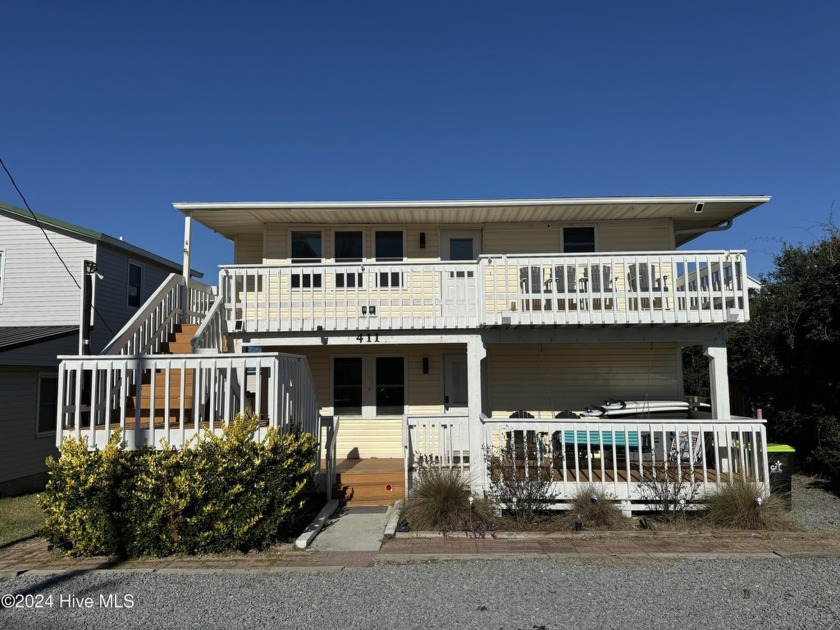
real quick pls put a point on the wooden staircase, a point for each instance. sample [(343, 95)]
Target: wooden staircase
[(361, 482), (178, 343)]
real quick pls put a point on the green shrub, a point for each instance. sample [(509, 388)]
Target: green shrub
[(595, 509), (80, 500), (440, 501), (220, 492), (736, 506)]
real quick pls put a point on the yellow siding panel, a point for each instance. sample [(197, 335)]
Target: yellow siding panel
[(546, 380), (248, 249)]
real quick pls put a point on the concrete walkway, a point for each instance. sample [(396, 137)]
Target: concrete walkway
[(353, 529)]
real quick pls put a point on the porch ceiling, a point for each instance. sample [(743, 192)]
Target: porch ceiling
[(232, 218)]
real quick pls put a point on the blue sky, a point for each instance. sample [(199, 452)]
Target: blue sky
[(114, 110)]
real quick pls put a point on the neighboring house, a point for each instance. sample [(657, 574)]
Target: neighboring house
[(40, 311), (440, 329)]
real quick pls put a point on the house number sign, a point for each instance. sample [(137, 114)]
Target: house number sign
[(371, 337)]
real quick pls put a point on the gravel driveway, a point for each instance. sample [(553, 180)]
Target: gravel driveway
[(599, 593)]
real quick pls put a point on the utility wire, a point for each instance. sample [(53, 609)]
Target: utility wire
[(46, 236)]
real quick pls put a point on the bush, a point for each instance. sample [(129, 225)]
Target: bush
[(80, 499), (669, 488), (737, 506), (594, 509), (521, 475), (440, 501), (219, 493)]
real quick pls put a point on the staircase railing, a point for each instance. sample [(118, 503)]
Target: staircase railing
[(212, 334), (173, 397), (156, 319)]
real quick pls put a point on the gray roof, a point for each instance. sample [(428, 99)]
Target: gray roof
[(17, 336), (99, 237)]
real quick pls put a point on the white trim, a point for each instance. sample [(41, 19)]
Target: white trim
[(2, 272), (42, 376), (128, 284), (465, 203)]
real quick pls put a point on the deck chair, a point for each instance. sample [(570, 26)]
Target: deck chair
[(642, 278), (598, 278), (532, 287), (566, 285)]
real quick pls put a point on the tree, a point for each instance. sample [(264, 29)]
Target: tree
[(788, 355)]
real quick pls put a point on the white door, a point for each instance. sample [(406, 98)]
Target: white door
[(459, 286), (455, 384)]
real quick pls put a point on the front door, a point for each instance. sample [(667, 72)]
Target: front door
[(455, 384), (459, 285)]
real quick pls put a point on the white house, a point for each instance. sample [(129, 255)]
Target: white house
[(441, 329), (40, 312)]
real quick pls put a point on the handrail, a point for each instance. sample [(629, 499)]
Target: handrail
[(212, 333), (152, 324), (163, 304)]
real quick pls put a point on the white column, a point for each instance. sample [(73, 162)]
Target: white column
[(718, 379), (476, 352), (185, 302)]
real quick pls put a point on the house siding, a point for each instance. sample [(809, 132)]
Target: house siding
[(111, 299), (498, 238), (380, 436), (546, 379), (22, 455), (248, 249), (37, 290)]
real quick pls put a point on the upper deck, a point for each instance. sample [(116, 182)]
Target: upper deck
[(664, 288)]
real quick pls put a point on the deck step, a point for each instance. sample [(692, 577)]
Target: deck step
[(370, 482)]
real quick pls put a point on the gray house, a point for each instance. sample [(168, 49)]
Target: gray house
[(40, 311)]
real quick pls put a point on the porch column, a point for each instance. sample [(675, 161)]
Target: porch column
[(185, 296), (476, 352), (718, 379)]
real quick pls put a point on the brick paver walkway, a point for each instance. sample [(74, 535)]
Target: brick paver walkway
[(33, 554)]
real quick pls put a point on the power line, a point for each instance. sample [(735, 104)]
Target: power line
[(46, 236)]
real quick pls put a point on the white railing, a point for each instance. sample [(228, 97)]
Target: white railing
[(620, 458), (435, 441), (173, 397), (615, 288), (363, 296), (496, 290), (212, 334), (157, 318)]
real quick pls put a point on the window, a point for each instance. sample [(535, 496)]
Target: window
[(369, 386), (306, 248), (578, 240), (135, 284), (461, 249), (347, 386), (390, 386), (47, 403), (349, 248), (2, 272), (389, 247)]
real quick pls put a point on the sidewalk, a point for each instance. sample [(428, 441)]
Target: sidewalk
[(33, 555)]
